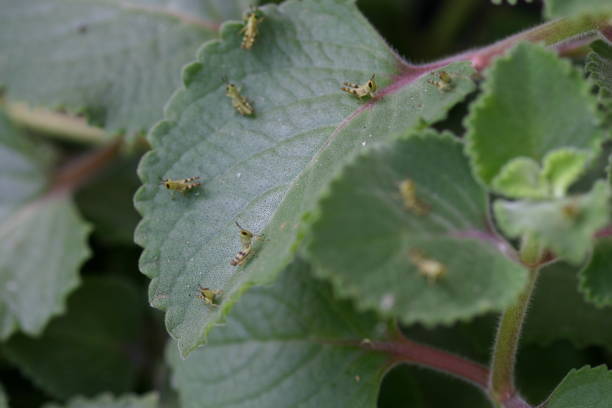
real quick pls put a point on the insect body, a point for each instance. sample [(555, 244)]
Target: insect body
[(444, 82), (251, 25), (181, 185), (246, 241), (361, 91), (412, 203), (429, 268), (239, 102), (210, 296)]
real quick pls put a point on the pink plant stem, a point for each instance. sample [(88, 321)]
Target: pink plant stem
[(407, 351)]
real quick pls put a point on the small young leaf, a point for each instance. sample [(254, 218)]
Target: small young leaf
[(533, 104), (596, 276), (108, 401), (586, 387), (566, 226), (115, 61), (561, 168), (287, 345), (371, 243), (568, 8), (521, 178), (559, 311), (103, 320), (266, 171), (44, 240)]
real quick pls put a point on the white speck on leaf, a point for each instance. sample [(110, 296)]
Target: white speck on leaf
[(387, 302)]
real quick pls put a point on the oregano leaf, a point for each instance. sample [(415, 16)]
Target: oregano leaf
[(586, 387), (266, 171), (533, 104), (561, 168), (596, 275), (566, 226), (149, 400), (44, 239), (521, 177), (568, 8), (573, 318), (287, 344), (599, 67), (59, 361), (379, 261), (116, 62)]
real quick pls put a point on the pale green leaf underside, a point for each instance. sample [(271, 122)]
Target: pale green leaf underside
[(596, 276), (266, 171), (117, 61), (103, 320), (108, 401), (587, 387), (533, 103), (365, 237), (43, 238), (568, 8), (558, 311), (286, 345), (566, 226)]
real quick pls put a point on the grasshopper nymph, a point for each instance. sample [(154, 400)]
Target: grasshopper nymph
[(361, 91), (239, 102), (181, 185), (252, 19), (210, 296), (246, 241)]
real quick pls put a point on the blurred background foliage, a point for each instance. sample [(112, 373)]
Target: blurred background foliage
[(421, 31)]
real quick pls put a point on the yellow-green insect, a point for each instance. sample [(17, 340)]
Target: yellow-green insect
[(361, 91), (428, 267), (246, 241), (252, 19), (407, 189), (210, 296), (239, 102), (181, 185), (444, 82)]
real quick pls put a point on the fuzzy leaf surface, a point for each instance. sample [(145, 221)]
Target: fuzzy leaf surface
[(115, 61), (60, 360), (586, 387), (599, 66), (566, 226), (568, 8), (108, 401), (367, 250), (288, 344), (44, 239), (573, 318), (533, 104), (596, 276), (266, 171)]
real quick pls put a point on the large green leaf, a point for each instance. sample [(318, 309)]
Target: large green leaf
[(596, 276), (289, 344), (565, 8), (43, 237), (534, 105), (368, 250), (265, 172), (559, 311), (116, 61), (586, 387), (567, 226), (60, 360), (108, 401)]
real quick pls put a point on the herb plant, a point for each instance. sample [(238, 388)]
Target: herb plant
[(307, 246)]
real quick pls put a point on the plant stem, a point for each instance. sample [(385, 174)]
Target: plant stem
[(501, 381)]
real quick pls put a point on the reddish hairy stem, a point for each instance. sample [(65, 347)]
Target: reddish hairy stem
[(407, 351)]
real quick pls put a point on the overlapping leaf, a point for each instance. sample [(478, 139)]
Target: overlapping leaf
[(567, 8), (559, 311), (534, 105), (586, 387), (599, 66), (116, 61), (596, 276), (87, 350), (566, 226), (108, 401), (43, 237), (289, 344), (372, 244), (266, 171)]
